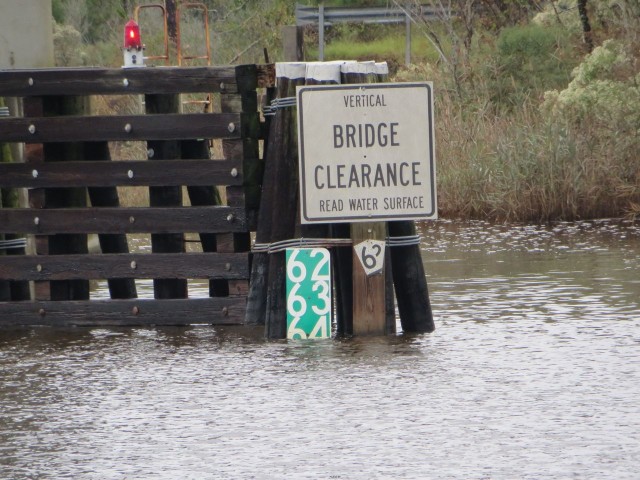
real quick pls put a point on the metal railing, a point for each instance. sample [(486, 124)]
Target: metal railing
[(327, 16), (306, 15)]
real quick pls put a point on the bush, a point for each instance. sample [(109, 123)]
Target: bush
[(601, 108), (528, 60)]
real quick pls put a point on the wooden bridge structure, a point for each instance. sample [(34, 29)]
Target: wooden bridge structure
[(70, 187)]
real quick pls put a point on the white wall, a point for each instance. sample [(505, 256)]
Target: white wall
[(26, 34)]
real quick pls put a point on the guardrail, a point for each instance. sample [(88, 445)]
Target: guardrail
[(381, 15), (328, 16)]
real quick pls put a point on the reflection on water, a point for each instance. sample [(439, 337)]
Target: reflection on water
[(533, 372)]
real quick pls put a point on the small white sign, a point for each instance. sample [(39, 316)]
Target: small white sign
[(366, 152), (371, 256)]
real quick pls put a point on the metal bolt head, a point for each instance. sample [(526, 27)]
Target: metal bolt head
[(234, 172), (36, 221), (39, 268), (34, 173), (150, 153), (132, 219), (32, 129), (125, 82), (30, 82), (231, 127), (134, 265), (135, 310), (42, 312), (130, 174), (222, 86), (127, 128), (225, 311), (227, 267), (230, 217)]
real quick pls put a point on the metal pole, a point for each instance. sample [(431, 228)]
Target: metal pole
[(321, 32), (407, 47)]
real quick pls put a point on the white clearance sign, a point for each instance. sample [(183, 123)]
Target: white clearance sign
[(366, 152)]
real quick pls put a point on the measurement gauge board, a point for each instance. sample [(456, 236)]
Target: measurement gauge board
[(308, 293)]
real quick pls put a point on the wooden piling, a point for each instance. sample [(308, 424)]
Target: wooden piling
[(329, 73), (5, 156), (65, 197), (371, 305), (283, 213), (112, 242), (247, 150), (409, 278), (201, 196), (381, 71), (410, 282), (5, 288), (275, 150), (168, 196)]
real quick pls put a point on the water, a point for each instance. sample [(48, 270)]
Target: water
[(533, 372)]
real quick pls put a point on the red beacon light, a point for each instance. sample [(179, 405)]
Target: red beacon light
[(132, 35), (132, 45)]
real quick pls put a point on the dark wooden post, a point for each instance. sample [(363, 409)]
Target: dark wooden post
[(115, 242), (329, 73), (5, 156), (257, 299), (410, 282), (285, 199), (247, 149), (66, 197), (344, 255), (5, 288), (202, 195), (409, 279), (168, 196)]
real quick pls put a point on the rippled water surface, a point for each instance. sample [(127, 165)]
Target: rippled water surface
[(533, 372)]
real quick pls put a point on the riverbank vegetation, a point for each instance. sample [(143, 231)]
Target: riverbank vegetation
[(537, 103)]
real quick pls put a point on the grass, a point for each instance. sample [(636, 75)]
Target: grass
[(390, 48)]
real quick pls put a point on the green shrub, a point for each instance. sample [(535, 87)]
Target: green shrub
[(528, 60)]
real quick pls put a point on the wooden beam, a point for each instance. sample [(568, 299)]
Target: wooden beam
[(122, 173), (133, 312), (101, 81), (214, 219), (169, 126), (130, 265)]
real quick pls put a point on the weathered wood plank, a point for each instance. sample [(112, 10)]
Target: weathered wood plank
[(101, 81), (122, 173), (122, 127), (103, 266), (133, 312), (214, 219)]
